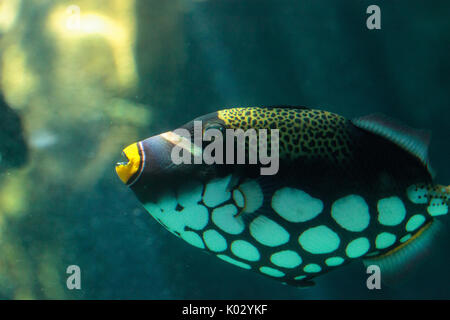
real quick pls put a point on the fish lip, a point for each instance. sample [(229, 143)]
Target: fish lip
[(123, 163), (129, 171)]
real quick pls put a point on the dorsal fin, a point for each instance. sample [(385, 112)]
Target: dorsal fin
[(399, 263), (412, 140)]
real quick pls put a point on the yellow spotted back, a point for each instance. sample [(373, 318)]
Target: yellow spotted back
[(303, 132)]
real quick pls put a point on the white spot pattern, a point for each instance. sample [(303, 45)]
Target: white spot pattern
[(351, 213), (216, 192), (437, 207), (214, 240), (286, 259), (238, 198), (224, 218), (391, 211), (191, 214), (417, 194), (268, 232), (295, 205), (253, 195), (245, 250)]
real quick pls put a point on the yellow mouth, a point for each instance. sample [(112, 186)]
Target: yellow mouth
[(126, 170)]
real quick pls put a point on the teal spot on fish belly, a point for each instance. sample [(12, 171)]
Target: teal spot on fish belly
[(286, 259), (272, 272), (416, 194), (193, 239), (216, 192), (334, 261), (415, 222), (233, 261), (268, 232), (238, 198), (357, 247), (312, 268), (224, 217), (295, 205), (385, 240), (245, 250), (405, 238), (391, 211), (319, 240), (214, 240), (195, 216), (351, 213), (437, 207)]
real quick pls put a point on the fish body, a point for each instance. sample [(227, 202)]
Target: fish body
[(345, 190)]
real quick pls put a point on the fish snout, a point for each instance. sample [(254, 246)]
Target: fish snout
[(129, 170), (156, 150)]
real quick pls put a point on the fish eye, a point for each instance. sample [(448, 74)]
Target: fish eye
[(214, 125)]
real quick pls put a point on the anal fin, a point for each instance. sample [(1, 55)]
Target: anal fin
[(399, 263)]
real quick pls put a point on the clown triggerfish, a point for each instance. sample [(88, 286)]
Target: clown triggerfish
[(345, 190)]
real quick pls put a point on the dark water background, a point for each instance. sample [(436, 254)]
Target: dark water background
[(153, 65)]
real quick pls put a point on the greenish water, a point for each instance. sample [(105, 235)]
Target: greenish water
[(87, 80)]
